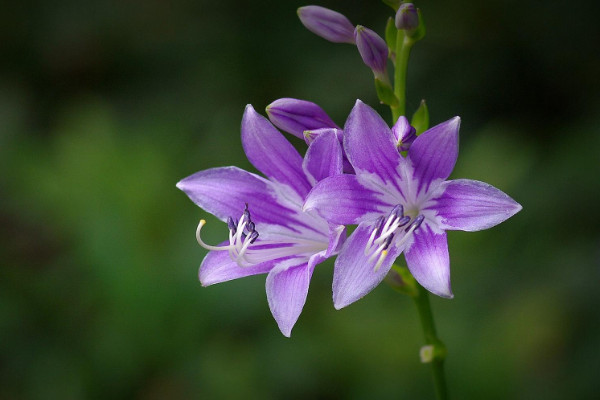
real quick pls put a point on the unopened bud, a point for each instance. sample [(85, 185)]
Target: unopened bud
[(404, 134), (372, 49), (296, 116), (327, 23), (407, 17)]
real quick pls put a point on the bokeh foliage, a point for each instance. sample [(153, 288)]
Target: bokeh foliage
[(105, 105)]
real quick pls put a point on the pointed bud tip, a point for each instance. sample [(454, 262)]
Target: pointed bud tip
[(407, 17)]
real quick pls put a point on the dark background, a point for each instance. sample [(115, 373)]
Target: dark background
[(105, 105)]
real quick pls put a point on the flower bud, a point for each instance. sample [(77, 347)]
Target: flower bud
[(404, 134), (327, 23), (296, 116), (407, 17), (372, 49)]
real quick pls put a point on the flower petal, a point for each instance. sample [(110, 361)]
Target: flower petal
[(296, 116), (429, 262), (271, 153), (369, 144), (433, 154), (218, 267), (225, 191), (337, 236), (471, 205), (323, 157), (287, 288), (353, 274), (343, 200)]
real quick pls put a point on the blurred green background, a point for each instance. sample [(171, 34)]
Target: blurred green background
[(105, 105)]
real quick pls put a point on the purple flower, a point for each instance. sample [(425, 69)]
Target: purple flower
[(404, 133), (268, 231), (327, 23), (296, 116), (401, 204), (372, 49)]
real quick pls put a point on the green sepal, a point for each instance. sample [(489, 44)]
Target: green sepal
[(391, 33), (420, 119), (385, 92), (401, 280), (395, 4)]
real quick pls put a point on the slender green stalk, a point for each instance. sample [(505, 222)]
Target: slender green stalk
[(434, 352), (403, 46)]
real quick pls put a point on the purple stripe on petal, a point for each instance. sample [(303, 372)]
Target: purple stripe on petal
[(271, 153), (470, 205), (353, 274), (218, 267), (296, 116), (343, 200), (429, 262), (323, 157), (433, 154), (369, 144), (287, 288)]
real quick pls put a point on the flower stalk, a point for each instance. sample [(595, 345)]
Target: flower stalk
[(403, 46), (434, 351)]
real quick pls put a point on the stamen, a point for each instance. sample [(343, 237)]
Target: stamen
[(411, 228), (231, 224), (382, 257), (253, 237), (376, 232), (242, 251), (398, 211), (403, 221), (416, 223)]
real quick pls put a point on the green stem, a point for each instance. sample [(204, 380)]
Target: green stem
[(403, 46), (437, 349)]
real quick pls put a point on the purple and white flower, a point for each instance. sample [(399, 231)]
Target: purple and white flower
[(401, 204), (268, 230)]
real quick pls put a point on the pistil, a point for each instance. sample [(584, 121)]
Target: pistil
[(242, 234)]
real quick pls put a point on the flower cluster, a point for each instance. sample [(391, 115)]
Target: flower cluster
[(390, 183)]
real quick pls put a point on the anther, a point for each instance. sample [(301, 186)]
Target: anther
[(231, 224), (416, 223), (379, 225), (388, 241), (398, 211), (253, 236), (403, 221)]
